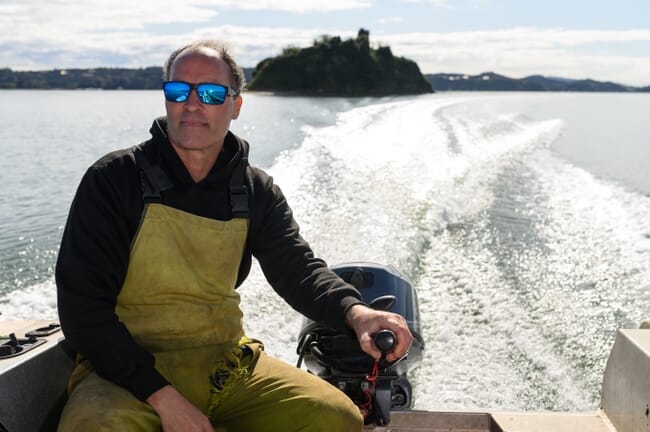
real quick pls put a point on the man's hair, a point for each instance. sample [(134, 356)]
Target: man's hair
[(238, 80)]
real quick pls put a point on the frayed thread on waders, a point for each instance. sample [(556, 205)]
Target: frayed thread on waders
[(229, 370)]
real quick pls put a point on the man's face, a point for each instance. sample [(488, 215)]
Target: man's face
[(192, 125)]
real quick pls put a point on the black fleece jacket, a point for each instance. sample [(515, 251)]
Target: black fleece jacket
[(103, 221)]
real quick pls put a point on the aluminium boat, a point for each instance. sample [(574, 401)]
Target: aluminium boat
[(36, 361)]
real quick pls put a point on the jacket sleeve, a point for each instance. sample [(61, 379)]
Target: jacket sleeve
[(288, 262), (91, 267)]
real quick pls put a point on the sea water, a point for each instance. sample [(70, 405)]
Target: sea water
[(520, 218)]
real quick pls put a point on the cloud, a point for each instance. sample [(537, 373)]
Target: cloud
[(443, 3), (66, 33), (138, 49), (524, 51), (38, 34), (250, 45), (49, 17), (390, 20), (296, 6), (449, 4)]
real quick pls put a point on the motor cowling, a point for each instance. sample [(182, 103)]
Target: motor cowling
[(337, 357)]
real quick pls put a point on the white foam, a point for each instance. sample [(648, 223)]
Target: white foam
[(414, 183), (34, 302)]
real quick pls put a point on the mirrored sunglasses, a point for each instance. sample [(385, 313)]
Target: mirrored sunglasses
[(209, 93)]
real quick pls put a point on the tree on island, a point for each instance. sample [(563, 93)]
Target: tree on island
[(332, 66)]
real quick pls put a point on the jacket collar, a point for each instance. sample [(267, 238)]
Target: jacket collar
[(234, 149)]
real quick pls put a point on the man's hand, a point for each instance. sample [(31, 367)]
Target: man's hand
[(177, 413), (366, 322)]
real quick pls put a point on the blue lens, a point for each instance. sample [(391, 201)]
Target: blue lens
[(212, 94), (176, 91)]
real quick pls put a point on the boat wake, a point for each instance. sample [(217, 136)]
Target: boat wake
[(524, 263)]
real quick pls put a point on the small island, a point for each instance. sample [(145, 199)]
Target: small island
[(335, 67)]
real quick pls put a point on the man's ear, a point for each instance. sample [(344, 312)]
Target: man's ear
[(238, 103)]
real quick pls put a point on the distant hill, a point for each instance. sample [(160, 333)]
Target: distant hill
[(490, 81), (151, 78), (103, 78), (340, 67)]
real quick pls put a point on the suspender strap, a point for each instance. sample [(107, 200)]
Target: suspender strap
[(239, 191), (153, 179)]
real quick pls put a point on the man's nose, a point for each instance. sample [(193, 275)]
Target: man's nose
[(193, 102)]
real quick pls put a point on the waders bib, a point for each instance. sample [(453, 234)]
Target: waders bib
[(179, 302), (178, 299)]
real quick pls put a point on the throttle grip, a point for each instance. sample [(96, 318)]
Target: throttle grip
[(385, 340)]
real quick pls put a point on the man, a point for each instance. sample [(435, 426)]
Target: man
[(157, 239)]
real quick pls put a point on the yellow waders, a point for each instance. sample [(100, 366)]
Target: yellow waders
[(179, 302)]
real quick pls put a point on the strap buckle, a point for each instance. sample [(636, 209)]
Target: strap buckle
[(239, 201)]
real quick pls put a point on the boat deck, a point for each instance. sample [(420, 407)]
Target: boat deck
[(626, 392), (33, 384), (429, 421)]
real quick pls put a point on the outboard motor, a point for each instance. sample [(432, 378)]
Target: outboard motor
[(337, 357)]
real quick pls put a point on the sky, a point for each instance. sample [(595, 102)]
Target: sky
[(596, 39)]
